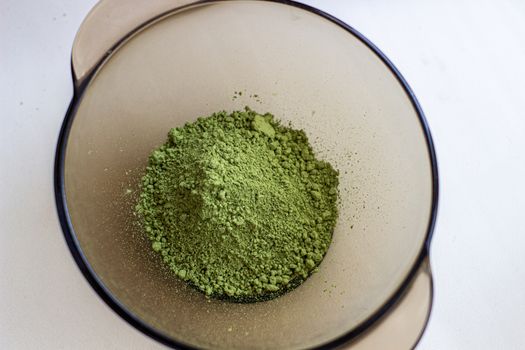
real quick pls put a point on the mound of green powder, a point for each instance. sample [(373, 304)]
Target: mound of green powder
[(238, 206)]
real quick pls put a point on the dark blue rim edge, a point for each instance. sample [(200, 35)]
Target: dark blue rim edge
[(120, 309)]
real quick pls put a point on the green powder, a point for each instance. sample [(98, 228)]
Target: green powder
[(238, 206)]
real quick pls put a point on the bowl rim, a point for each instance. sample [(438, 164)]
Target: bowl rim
[(137, 322)]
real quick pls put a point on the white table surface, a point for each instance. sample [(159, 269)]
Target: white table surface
[(465, 60)]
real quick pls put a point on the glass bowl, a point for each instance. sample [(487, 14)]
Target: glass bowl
[(139, 71)]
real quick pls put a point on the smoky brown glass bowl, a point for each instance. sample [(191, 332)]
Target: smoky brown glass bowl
[(142, 69)]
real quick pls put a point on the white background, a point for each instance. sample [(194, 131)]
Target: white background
[(465, 60)]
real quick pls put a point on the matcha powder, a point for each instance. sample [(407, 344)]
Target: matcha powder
[(238, 206)]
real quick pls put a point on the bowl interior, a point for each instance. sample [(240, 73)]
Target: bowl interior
[(304, 69)]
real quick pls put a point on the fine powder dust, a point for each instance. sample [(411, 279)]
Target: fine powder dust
[(238, 206)]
